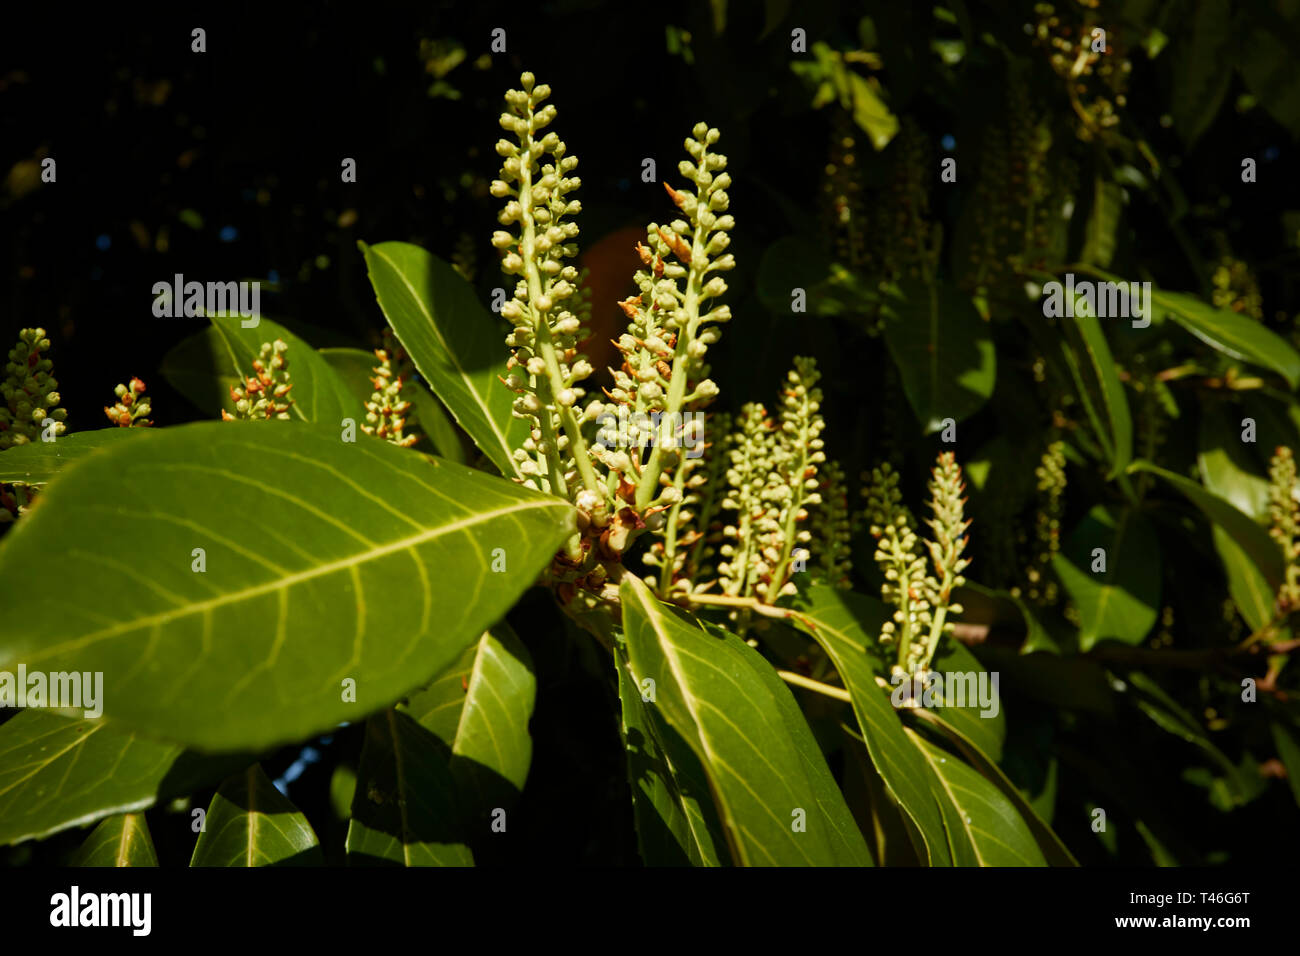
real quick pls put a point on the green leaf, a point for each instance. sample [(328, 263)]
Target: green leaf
[(356, 368), (121, 840), (326, 562), (404, 811), (987, 820), (1055, 852), (988, 733), (1201, 69), (250, 823), (942, 348), (1247, 586), (1120, 603), (1288, 751), (1227, 467), (1103, 220), (491, 702), (319, 395), (1235, 335), (1253, 540), (727, 702), (435, 769), (57, 773), (1097, 382), (840, 621), (1267, 59), (37, 462), (452, 340), (201, 369), (676, 822)]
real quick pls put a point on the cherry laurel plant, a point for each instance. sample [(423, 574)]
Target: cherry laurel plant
[(250, 583)]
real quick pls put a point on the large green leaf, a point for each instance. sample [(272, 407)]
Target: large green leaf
[(1054, 851), (356, 368), (319, 394), (766, 773), (985, 727), (491, 702), (1247, 586), (250, 823), (1201, 56), (943, 350), (1227, 466), (37, 462), (453, 341), (676, 822), (331, 567), (988, 822), (1120, 603), (1252, 539), (404, 810), (1231, 333), (1089, 360), (57, 773), (200, 368), (841, 621), (1103, 220), (434, 770), (121, 840)]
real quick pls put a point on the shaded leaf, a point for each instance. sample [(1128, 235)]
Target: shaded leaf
[(121, 840), (37, 462), (250, 823), (57, 773), (453, 341), (1235, 335), (747, 732), (1122, 602), (942, 348)]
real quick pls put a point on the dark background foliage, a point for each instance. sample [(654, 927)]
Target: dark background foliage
[(226, 164)]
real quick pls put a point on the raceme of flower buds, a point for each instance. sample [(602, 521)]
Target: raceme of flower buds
[(265, 393), (386, 410), (29, 392), (132, 406)]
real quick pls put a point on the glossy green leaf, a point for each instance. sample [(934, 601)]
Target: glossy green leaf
[(943, 350), (676, 822), (1287, 741), (1103, 220), (201, 369), (995, 831), (1120, 603), (843, 623), (1252, 539), (767, 775), (1227, 467), (404, 811), (1055, 852), (453, 341), (491, 703), (1235, 335), (327, 564), (1097, 383), (36, 463), (57, 773), (428, 417), (984, 724), (1201, 76), (318, 394), (1247, 586), (250, 823), (121, 840)]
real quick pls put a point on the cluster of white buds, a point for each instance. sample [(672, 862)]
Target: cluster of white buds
[(28, 392), (752, 453), (832, 531), (133, 406), (545, 367), (386, 410), (265, 393), (907, 586)]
